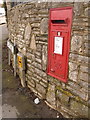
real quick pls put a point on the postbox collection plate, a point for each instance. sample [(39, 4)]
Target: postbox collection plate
[(59, 42)]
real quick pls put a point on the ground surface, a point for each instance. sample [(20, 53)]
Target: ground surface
[(3, 32), (2, 19), (17, 101)]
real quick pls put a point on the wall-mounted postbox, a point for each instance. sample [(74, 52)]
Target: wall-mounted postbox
[(59, 42)]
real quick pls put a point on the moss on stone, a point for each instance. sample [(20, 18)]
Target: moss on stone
[(65, 92), (76, 98)]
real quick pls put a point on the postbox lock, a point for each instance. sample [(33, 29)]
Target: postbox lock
[(58, 33)]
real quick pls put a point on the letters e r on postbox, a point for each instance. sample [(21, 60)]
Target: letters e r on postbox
[(59, 42)]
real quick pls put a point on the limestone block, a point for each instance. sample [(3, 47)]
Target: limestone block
[(37, 65), (15, 18), (43, 84), (38, 54), (39, 47), (84, 68), (84, 76), (72, 66), (29, 65), (50, 97), (66, 112), (73, 71), (35, 28), (36, 32), (54, 80), (44, 26), (77, 44), (38, 60), (27, 34), (37, 77), (28, 6), (41, 89), (64, 99), (41, 5), (31, 83), (40, 72), (44, 57), (79, 58), (33, 18), (78, 8), (35, 24), (79, 108), (43, 11), (20, 46), (83, 84), (27, 42), (89, 102), (25, 15), (43, 15), (74, 85), (84, 90), (42, 38), (55, 4), (29, 61), (30, 12), (31, 69), (62, 84), (29, 74), (87, 12), (86, 48), (24, 51), (22, 77), (83, 59), (45, 80), (32, 56), (62, 109), (43, 43), (33, 42), (34, 11), (23, 25), (77, 92), (32, 89)]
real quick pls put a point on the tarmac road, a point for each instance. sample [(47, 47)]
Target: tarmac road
[(3, 37), (18, 102)]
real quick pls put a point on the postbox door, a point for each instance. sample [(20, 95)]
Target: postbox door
[(58, 55)]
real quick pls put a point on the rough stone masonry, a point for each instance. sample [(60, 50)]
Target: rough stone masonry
[(28, 26)]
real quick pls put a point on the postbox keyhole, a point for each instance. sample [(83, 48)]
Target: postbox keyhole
[(52, 70), (58, 33)]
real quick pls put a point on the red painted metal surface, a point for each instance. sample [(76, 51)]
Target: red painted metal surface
[(59, 42)]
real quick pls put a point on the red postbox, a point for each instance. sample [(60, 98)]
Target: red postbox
[(59, 42)]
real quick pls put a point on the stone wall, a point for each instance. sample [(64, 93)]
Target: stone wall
[(28, 25)]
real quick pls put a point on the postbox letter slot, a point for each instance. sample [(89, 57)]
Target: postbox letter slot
[(58, 21)]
